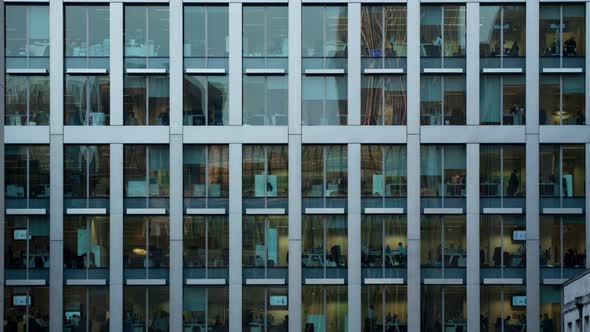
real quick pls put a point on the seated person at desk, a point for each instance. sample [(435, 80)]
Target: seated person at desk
[(131, 119), (569, 47), (164, 117)]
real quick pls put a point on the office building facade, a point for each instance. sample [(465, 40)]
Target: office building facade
[(292, 165)]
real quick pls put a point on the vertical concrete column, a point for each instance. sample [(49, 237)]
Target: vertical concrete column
[(176, 192), (472, 67), (176, 66), (235, 237), (116, 238), (587, 209), (354, 238), (413, 165), (176, 233), (354, 67), (413, 218), (2, 204), (532, 162), (472, 237), (295, 166), (235, 64), (295, 233), (56, 169), (116, 63), (532, 230)]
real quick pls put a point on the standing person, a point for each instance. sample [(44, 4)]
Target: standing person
[(512, 183)]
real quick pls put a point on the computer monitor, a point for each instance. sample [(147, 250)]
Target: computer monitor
[(518, 235), (519, 300), (278, 300), (21, 300)]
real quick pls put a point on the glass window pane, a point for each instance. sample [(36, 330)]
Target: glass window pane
[(158, 100), (372, 171), (38, 21), (490, 107), (194, 31), (454, 100), (278, 175), (86, 242), (20, 318), (312, 21), (86, 306), (15, 166), (87, 31), (99, 36), (514, 30), (430, 170), (194, 100), (395, 31), (431, 100), (573, 108), (514, 170), (336, 103), (325, 308), (146, 308), (549, 169), (312, 171), (277, 43), (395, 103), (336, 171), (146, 242), (207, 307), (490, 29), (253, 166), (217, 31), (86, 171), (39, 100), (514, 100), (135, 31), (372, 31), (574, 29), (454, 168), (549, 104), (454, 31), (336, 31), (76, 28), (16, 30), (39, 171), (134, 102), (372, 100), (265, 100), (218, 100), (431, 31), (87, 100), (573, 171), (549, 35), (265, 241), (313, 92), (159, 171), (135, 170), (254, 30), (36, 229), (158, 31), (16, 100)]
